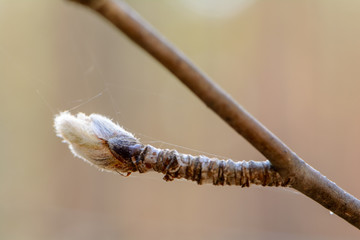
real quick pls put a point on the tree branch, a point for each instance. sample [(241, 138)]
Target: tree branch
[(99, 141), (306, 179)]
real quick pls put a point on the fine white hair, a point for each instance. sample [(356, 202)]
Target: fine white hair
[(87, 137)]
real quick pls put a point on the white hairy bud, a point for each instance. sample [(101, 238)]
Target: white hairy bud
[(88, 137)]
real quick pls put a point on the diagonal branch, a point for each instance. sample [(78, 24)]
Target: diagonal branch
[(306, 179)]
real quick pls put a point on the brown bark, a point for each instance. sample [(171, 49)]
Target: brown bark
[(306, 179)]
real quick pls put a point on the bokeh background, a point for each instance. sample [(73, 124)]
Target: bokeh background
[(293, 64)]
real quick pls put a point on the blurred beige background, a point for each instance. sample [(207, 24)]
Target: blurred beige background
[(293, 64)]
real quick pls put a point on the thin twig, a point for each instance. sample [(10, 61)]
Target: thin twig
[(99, 141), (306, 179)]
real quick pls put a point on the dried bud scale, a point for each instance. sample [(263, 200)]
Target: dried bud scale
[(98, 140)]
